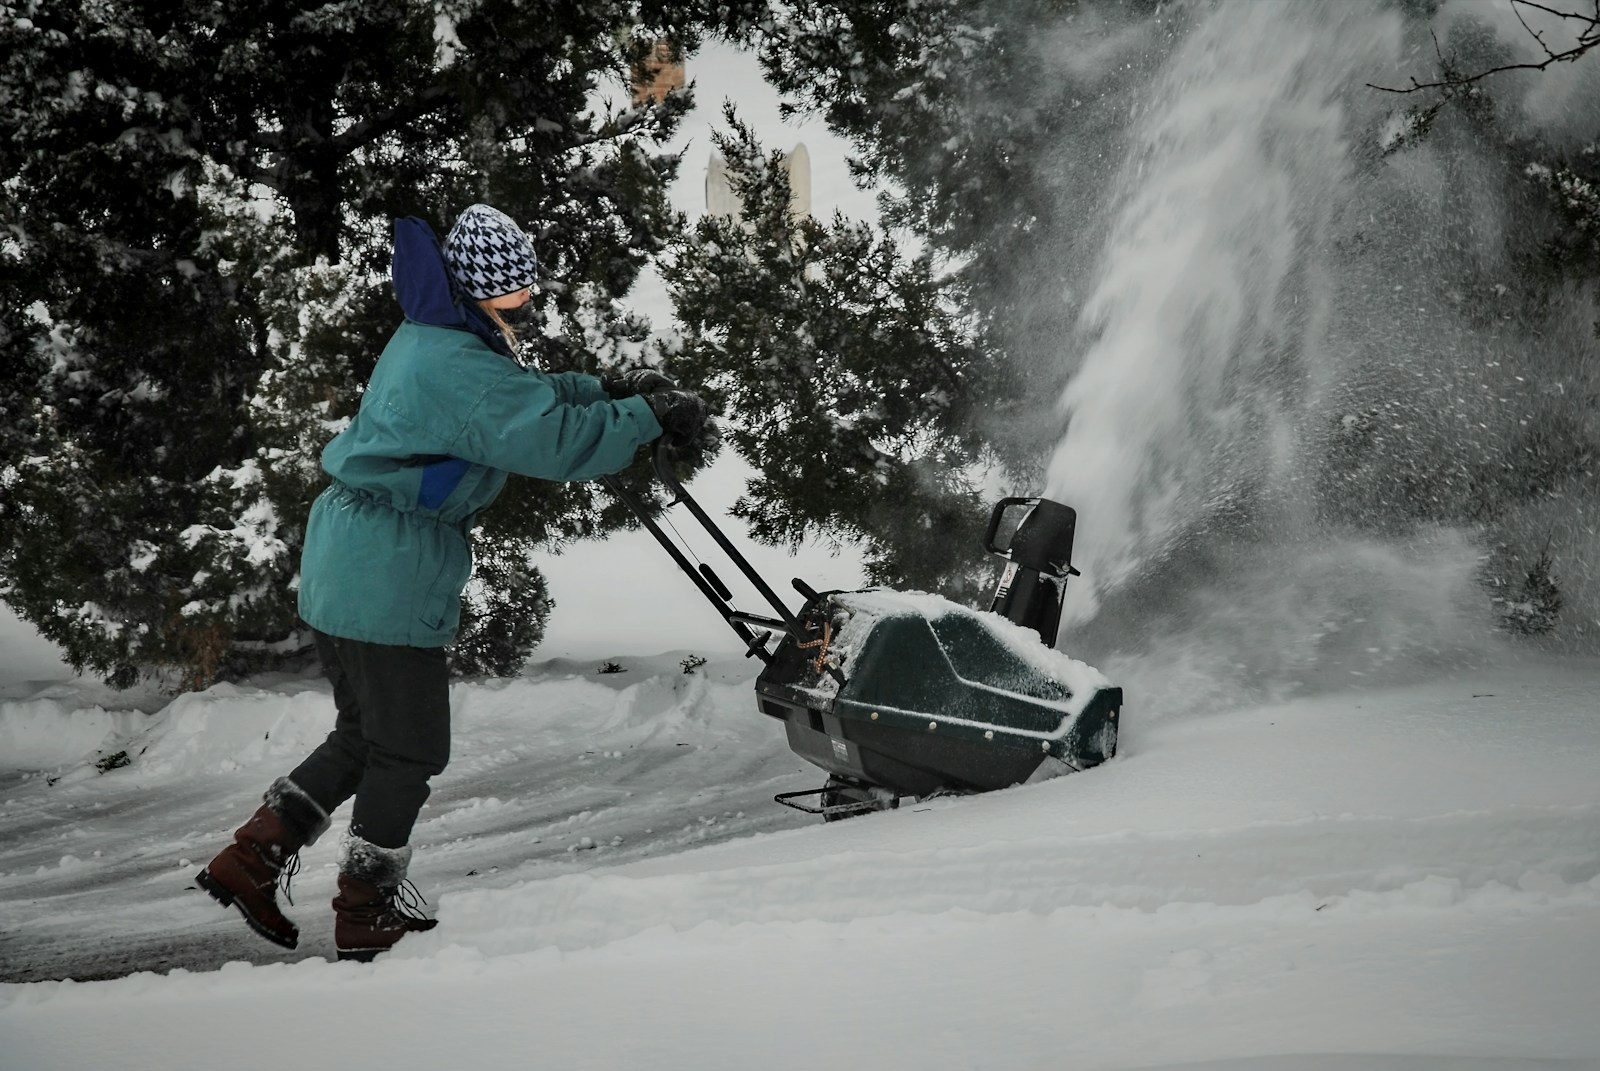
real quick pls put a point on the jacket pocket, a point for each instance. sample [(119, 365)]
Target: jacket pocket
[(441, 606)]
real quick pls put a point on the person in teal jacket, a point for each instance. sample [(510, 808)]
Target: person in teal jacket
[(448, 414)]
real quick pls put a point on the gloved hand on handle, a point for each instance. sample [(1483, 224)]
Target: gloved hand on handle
[(635, 381), (682, 416)]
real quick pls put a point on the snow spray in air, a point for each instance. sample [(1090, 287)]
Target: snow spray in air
[(1208, 350)]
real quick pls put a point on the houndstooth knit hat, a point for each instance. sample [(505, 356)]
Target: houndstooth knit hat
[(488, 254)]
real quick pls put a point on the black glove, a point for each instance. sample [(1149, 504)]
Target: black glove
[(635, 381), (681, 414)]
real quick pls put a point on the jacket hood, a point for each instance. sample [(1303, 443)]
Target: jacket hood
[(423, 286)]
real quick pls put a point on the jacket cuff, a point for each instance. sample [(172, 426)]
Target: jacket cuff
[(642, 413)]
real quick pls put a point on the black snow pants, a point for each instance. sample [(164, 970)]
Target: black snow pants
[(391, 735)]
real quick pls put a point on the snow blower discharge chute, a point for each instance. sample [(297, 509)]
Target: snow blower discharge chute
[(898, 695)]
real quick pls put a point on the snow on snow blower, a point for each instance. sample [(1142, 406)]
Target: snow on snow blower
[(908, 695)]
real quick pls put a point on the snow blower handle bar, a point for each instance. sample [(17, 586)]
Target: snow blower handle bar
[(711, 585)]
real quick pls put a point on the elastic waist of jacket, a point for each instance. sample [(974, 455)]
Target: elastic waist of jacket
[(368, 498)]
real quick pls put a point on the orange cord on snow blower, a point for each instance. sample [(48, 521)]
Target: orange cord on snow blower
[(820, 663)]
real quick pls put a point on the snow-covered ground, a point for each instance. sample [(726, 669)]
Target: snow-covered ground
[(1405, 877)]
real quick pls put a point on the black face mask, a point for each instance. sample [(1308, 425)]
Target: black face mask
[(523, 316)]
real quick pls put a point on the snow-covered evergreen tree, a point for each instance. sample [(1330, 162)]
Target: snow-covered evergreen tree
[(878, 385), (851, 376), (193, 257)]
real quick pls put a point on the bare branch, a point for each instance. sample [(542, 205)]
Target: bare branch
[(1591, 20), (1588, 38), (1517, 11)]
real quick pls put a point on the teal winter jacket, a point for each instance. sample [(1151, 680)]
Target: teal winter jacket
[(445, 417)]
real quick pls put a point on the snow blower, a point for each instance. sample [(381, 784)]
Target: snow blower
[(907, 695)]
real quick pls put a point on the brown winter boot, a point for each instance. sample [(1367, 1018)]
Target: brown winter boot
[(376, 905), (264, 855)]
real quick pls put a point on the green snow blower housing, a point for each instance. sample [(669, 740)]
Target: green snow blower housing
[(898, 694), (935, 698)]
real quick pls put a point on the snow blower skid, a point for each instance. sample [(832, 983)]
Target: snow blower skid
[(898, 694)]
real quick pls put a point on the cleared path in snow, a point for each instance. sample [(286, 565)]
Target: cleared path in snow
[(552, 774)]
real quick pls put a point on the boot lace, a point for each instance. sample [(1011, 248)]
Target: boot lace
[(291, 867), (405, 902)]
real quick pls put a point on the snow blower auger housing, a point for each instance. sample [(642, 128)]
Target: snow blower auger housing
[(898, 694)]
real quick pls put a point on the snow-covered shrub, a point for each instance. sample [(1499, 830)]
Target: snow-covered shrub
[(503, 612), (1533, 607)]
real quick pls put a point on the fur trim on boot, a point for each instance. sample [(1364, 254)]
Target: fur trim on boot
[(383, 867), (302, 816), (376, 905)]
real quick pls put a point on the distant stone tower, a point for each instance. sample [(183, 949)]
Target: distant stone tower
[(798, 164), (661, 72), (722, 201)]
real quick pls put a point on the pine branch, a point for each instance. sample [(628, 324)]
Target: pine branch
[(371, 129), (286, 155)]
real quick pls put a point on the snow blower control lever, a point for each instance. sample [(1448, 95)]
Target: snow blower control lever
[(710, 584)]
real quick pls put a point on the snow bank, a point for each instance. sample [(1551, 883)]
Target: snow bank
[(559, 703), (229, 727), (226, 727), (40, 734)]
